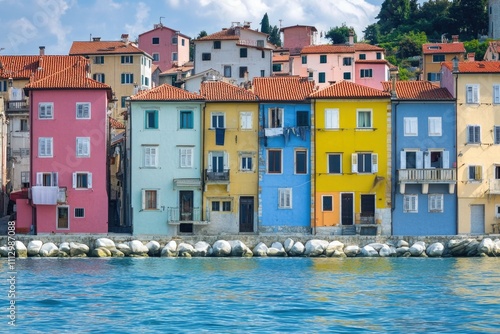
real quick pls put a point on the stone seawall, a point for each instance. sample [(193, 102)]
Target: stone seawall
[(248, 245)]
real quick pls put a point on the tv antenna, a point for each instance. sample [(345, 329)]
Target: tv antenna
[(161, 17)]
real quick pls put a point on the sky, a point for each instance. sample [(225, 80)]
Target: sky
[(55, 24)]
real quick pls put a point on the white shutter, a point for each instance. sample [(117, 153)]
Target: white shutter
[(435, 126), (331, 118), (39, 179), (496, 94), (246, 120), (54, 179), (446, 159), (210, 161), (354, 163), (414, 203), (89, 180), (48, 111), (143, 199), (374, 162), (226, 161), (74, 180), (420, 160), (147, 157), (402, 160), (475, 93), (427, 160)]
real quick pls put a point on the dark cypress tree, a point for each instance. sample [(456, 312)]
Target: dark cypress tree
[(264, 24)]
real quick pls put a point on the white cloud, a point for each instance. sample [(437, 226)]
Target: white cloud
[(141, 16), (48, 17)]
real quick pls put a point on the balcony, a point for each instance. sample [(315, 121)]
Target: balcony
[(427, 176), (42, 195), (185, 220), (16, 107), (494, 188)]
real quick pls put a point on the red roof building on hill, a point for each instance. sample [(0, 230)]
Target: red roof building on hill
[(433, 54)]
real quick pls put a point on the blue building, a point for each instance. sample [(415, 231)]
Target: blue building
[(424, 166), (284, 154)]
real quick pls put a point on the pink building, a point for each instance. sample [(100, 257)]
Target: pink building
[(69, 135), (298, 36), (169, 48)]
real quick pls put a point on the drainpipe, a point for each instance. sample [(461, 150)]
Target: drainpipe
[(313, 166), (203, 162)]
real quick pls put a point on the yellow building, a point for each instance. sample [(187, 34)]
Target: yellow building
[(230, 150), (352, 143), (433, 54)]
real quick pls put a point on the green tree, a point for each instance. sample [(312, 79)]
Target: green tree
[(393, 14), (265, 27), (479, 48), (372, 34), (202, 33), (274, 36), (340, 35), (471, 17), (411, 44)]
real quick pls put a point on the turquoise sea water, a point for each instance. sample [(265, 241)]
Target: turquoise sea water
[(254, 295)]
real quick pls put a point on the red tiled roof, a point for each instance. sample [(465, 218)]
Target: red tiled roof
[(339, 48), (374, 61), (475, 66), (161, 27), (418, 90), (223, 91), (281, 58), (227, 34), (347, 89), (103, 48), (116, 124), (457, 47), (298, 26), (34, 67), (178, 69), (287, 88), (166, 92), (495, 45)]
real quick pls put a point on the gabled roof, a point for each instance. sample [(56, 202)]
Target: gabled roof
[(229, 34), (223, 91), (418, 90), (160, 27), (432, 48), (34, 67), (373, 61), (474, 66), (494, 45), (115, 124), (299, 26), (346, 89), (104, 48), (288, 88), (340, 48), (166, 92), (175, 70), (281, 58)]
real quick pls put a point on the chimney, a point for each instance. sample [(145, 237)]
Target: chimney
[(124, 38), (42, 50), (454, 38), (471, 56), (394, 74), (351, 37), (96, 39)]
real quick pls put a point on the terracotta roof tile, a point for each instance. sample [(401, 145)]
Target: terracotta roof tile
[(374, 61), (340, 48), (281, 58), (166, 92), (347, 89), (103, 48), (418, 90), (178, 69), (432, 48), (223, 91), (115, 124), (495, 45), (226, 34), (298, 26), (287, 88), (475, 66), (18, 67)]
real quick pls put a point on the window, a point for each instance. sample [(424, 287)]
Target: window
[(302, 118), (82, 180), (3, 85), (227, 71), (123, 102), (217, 120), (206, 56), (362, 56), (155, 40), (186, 119), (379, 55), (83, 110), (260, 43), (347, 75), (243, 52), (366, 73), (23, 125), (497, 211), (334, 163), (99, 60), (300, 162), (364, 162), (127, 59), (217, 44), (150, 200), (438, 58), (322, 59), (496, 134), (274, 161), (46, 179), (99, 77), (475, 173), (243, 71), (276, 67), (246, 120), (331, 118), (246, 163), (275, 118), (83, 147), (304, 59), (174, 56), (473, 134), (321, 77), (410, 126), (63, 217), (408, 159), (436, 203), (45, 147), (262, 73), (226, 206), (150, 154), (435, 126), (79, 212), (496, 94), (25, 179), (127, 78), (151, 119), (215, 206), (327, 203), (284, 198), (497, 172), (174, 40), (472, 94), (364, 119), (434, 76), (347, 61), (146, 81), (46, 110), (156, 56), (410, 203), (186, 157)]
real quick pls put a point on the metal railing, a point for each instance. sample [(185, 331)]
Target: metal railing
[(431, 175), (210, 175), (494, 186), (16, 106), (174, 215)]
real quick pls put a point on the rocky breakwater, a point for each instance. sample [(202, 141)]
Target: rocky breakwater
[(105, 247)]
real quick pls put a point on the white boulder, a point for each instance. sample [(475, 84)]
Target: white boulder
[(435, 250), (486, 246), (153, 247), (104, 242), (124, 248), (334, 246), (78, 249), (260, 250), (21, 250), (34, 247), (170, 249), (288, 244), (65, 247), (221, 248), (387, 251), (137, 248), (185, 250), (49, 249), (276, 249), (238, 248), (352, 250), (101, 252), (369, 251), (315, 247), (297, 249), (417, 248), (202, 248)]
